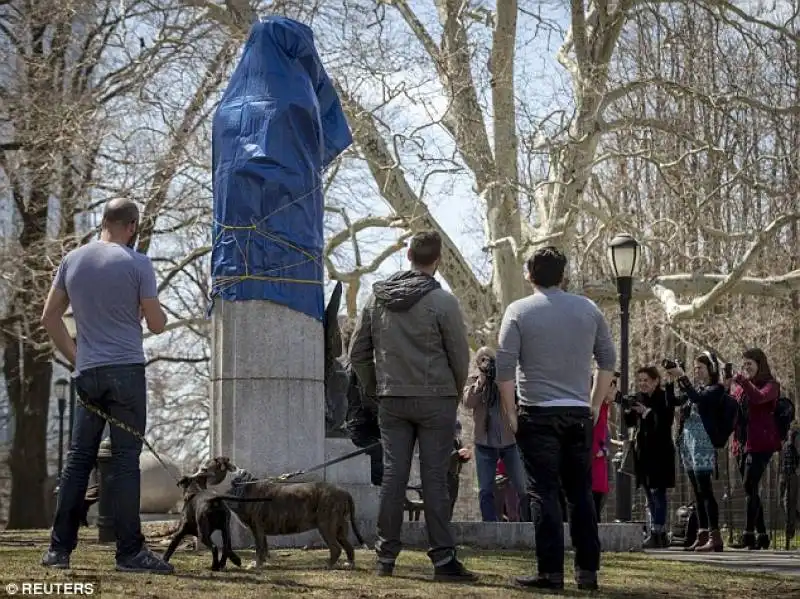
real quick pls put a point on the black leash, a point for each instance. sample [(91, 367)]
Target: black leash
[(283, 477), (343, 458)]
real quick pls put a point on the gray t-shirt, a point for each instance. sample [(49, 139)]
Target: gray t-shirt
[(105, 283), (548, 339)]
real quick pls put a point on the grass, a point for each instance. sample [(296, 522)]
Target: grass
[(295, 573)]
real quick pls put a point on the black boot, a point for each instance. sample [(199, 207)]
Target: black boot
[(748, 541), (453, 571), (586, 580), (554, 582), (762, 541)]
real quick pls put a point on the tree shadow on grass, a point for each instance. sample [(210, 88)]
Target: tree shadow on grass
[(229, 577)]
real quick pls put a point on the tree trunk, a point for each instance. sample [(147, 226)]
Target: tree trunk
[(30, 400)]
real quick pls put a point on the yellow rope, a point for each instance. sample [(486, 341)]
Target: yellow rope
[(221, 283)]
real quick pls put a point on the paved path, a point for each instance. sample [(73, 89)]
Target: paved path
[(785, 563)]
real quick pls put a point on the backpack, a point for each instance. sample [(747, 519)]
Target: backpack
[(790, 457), (784, 416), (720, 420), (685, 527)]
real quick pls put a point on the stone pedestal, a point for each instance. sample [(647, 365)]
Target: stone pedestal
[(353, 475), (267, 392)]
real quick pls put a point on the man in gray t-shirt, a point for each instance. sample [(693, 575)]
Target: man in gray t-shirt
[(548, 340), (110, 287)]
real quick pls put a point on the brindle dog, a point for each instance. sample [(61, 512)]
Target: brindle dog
[(294, 508)]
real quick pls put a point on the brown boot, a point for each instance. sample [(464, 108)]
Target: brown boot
[(702, 539), (714, 543)]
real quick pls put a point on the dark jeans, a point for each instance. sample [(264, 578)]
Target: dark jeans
[(599, 500), (121, 392), (453, 483), (752, 467), (657, 506), (404, 421), (556, 446), (706, 503), (486, 466)]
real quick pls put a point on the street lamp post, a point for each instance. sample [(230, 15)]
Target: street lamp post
[(623, 253), (61, 394)]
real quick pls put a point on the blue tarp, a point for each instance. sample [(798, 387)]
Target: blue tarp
[(278, 126)]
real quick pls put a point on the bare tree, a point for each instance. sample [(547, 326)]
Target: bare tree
[(78, 72)]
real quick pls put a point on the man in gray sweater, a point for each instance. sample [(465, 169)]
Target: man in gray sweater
[(548, 340)]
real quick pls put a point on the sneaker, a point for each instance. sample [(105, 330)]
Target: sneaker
[(553, 582), (384, 568), (453, 571), (55, 559), (145, 561)]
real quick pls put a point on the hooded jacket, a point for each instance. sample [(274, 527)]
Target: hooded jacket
[(410, 340)]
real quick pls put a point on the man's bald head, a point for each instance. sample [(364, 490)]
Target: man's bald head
[(120, 222), (120, 213)]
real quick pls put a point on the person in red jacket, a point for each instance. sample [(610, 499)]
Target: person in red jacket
[(756, 438), (600, 449)]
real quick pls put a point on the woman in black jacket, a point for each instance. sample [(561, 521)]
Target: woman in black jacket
[(696, 448), (652, 413)]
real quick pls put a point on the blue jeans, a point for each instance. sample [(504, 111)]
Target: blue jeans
[(121, 392), (486, 465), (657, 506)]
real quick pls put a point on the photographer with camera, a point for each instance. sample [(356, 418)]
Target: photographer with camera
[(651, 412), (697, 450), (494, 440)]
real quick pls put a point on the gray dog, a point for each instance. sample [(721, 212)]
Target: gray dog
[(293, 508)]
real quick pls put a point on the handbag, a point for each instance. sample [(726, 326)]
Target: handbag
[(627, 463)]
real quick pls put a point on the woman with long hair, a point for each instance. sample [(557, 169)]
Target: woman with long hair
[(698, 453), (652, 414), (493, 439), (756, 438)]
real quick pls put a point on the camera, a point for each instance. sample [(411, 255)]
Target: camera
[(670, 363), (488, 367), (727, 371), (624, 401)]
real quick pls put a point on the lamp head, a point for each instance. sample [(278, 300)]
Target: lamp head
[(623, 253)]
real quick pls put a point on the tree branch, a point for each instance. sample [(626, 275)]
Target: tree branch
[(178, 268), (179, 324), (176, 360), (375, 264), (361, 224), (779, 286), (676, 311)]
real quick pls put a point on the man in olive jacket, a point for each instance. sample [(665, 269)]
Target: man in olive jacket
[(410, 352)]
